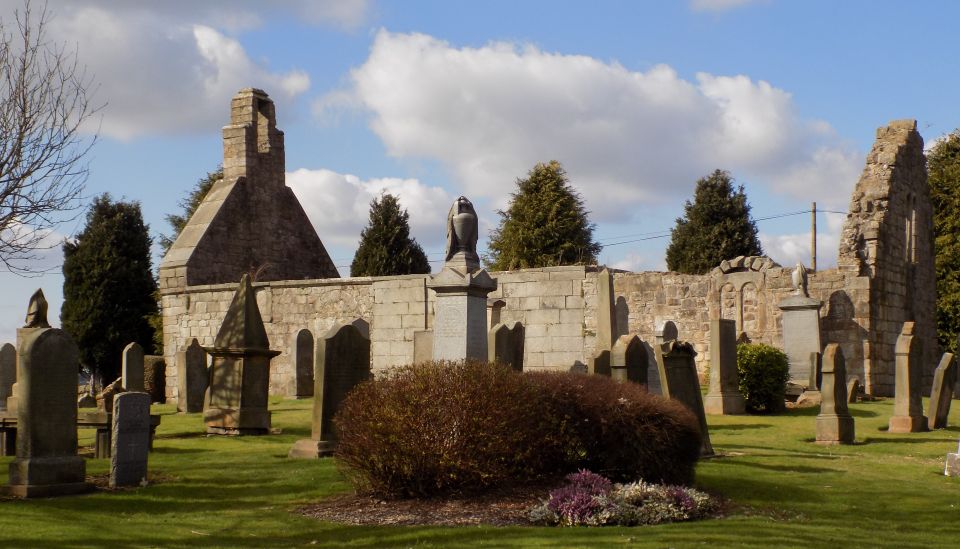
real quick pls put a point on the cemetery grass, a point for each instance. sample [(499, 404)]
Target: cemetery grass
[(781, 490)]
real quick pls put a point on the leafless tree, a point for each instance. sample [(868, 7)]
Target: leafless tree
[(44, 102)]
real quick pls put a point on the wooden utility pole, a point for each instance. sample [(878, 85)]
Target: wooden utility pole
[(813, 237)]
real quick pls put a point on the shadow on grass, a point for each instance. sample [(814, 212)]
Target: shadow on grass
[(782, 468), (812, 454), (739, 427), (906, 440)]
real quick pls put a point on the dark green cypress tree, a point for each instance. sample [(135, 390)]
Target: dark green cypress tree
[(545, 225), (189, 203), (108, 286), (943, 165), (385, 244), (714, 227)]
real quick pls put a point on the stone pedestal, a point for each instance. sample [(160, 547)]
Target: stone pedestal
[(460, 313), (908, 404), (724, 397), (801, 336), (834, 423)]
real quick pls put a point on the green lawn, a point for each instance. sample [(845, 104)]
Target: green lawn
[(886, 491)]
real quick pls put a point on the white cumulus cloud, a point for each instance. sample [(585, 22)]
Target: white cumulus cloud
[(790, 249)]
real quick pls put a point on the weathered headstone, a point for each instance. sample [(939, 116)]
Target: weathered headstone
[(47, 463), (834, 423), (460, 309), (801, 331), (628, 360), (105, 397), (240, 370), (679, 380), (192, 377), (132, 368), (724, 397), (86, 400), (343, 361), (8, 373), (422, 346), (952, 468), (853, 390), (606, 312), (301, 356), (130, 441), (155, 377), (599, 364), (908, 402), (505, 345), (941, 393)]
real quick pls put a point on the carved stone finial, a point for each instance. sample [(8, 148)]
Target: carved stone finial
[(800, 280), (462, 231), (37, 311)]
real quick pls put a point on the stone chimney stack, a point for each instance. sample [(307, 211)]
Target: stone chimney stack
[(252, 144)]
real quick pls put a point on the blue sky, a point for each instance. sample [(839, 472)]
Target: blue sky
[(431, 100)]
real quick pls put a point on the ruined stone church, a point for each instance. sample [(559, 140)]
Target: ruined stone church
[(251, 222)]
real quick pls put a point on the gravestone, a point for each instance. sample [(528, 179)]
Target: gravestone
[(606, 312), (724, 397), (422, 346), (155, 377), (801, 331), (47, 463), (505, 345), (192, 377), (628, 360), (130, 440), (599, 364), (853, 390), (834, 423), (461, 287), (343, 361), (8, 373), (952, 468), (301, 356), (908, 402), (679, 380), (240, 370), (132, 368), (941, 393), (105, 397)]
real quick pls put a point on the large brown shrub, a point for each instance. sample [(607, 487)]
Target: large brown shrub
[(619, 430)]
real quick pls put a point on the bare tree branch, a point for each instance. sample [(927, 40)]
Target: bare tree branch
[(43, 104)]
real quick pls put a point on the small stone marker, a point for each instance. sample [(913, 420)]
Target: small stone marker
[(941, 393), (343, 361), (908, 404), (130, 443), (679, 380), (132, 369), (192, 377), (8, 372), (853, 390), (505, 345), (724, 397), (952, 468), (834, 423), (47, 463), (240, 370), (628, 360), (301, 356)]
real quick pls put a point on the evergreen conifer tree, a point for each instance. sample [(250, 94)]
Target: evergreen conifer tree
[(386, 247), (943, 165), (545, 225), (189, 203), (715, 226), (108, 286)]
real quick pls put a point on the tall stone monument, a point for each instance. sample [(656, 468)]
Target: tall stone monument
[(240, 370), (944, 378), (343, 361), (678, 377), (130, 440), (460, 310), (801, 330), (724, 397), (834, 423), (8, 373), (908, 403), (192, 377), (132, 368), (47, 463)]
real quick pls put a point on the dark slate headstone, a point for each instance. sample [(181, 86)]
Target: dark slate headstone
[(724, 397), (47, 463), (192, 377), (834, 423), (941, 393), (301, 357), (628, 360), (679, 381), (505, 345), (908, 403), (343, 361), (132, 368), (130, 441), (8, 372)]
